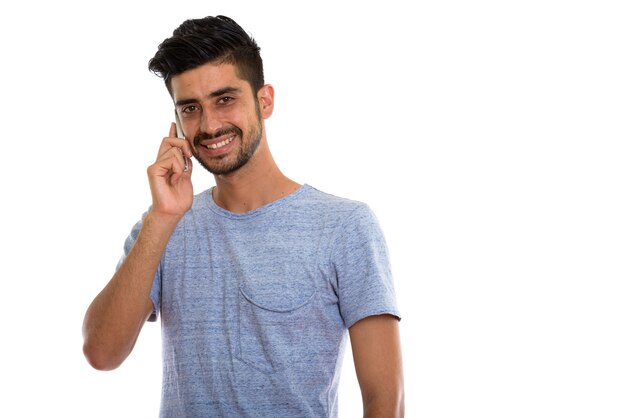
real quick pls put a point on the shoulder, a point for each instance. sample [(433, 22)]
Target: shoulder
[(348, 218), (321, 201)]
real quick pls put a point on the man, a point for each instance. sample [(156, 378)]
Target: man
[(258, 279)]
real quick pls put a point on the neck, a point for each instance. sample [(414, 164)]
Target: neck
[(256, 184)]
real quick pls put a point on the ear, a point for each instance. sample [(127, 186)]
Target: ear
[(265, 96)]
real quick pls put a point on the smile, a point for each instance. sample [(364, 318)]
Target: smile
[(221, 143)]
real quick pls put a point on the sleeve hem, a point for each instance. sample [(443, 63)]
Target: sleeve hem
[(155, 313), (364, 315)]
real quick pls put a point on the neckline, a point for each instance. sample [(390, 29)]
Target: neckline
[(255, 212)]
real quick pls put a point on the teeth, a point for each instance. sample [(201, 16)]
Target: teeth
[(220, 144)]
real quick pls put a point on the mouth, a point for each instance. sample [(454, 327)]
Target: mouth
[(219, 144), (217, 147)]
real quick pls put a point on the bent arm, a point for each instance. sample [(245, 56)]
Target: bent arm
[(378, 363), (115, 317)]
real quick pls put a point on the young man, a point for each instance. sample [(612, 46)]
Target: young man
[(258, 279)]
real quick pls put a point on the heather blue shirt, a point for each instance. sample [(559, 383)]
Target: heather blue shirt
[(255, 307)]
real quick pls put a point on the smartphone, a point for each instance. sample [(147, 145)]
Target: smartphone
[(179, 134), (179, 129)]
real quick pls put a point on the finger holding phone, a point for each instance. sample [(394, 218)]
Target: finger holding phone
[(170, 175)]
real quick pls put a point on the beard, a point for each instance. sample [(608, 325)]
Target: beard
[(221, 165)]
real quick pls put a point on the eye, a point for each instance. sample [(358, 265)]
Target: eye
[(225, 100), (189, 109)]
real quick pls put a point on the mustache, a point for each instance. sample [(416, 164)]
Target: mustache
[(202, 136)]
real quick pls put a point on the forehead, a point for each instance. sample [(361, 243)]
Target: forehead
[(205, 79)]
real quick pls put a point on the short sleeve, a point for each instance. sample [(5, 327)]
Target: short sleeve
[(155, 292), (361, 261)]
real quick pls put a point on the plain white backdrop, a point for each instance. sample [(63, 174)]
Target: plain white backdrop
[(488, 137)]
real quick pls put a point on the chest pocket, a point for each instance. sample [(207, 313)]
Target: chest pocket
[(274, 317)]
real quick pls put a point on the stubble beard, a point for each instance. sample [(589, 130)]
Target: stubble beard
[(248, 148)]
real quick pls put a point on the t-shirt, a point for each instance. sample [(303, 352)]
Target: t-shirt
[(255, 307)]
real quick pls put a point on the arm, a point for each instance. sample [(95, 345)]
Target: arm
[(115, 317), (378, 363)]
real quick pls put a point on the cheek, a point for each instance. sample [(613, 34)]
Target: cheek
[(190, 127), (242, 115), (193, 147), (235, 117)]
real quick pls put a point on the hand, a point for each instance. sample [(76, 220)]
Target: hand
[(170, 184)]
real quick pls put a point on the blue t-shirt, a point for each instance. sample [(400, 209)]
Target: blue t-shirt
[(255, 307)]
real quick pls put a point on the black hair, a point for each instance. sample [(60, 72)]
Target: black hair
[(212, 39)]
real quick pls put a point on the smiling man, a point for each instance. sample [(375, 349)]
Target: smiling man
[(259, 280)]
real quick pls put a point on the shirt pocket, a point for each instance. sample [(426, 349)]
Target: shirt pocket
[(272, 323)]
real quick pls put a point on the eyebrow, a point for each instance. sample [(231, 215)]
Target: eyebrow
[(213, 94)]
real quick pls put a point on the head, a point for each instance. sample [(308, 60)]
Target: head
[(205, 56)]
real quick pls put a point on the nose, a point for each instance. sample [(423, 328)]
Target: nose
[(209, 122)]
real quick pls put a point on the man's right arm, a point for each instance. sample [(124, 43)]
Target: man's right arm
[(115, 317)]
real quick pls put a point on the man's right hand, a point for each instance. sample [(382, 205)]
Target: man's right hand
[(170, 184)]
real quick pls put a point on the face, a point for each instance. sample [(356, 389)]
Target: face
[(220, 116)]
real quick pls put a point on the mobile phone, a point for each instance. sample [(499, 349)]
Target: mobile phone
[(179, 129), (180, 134)]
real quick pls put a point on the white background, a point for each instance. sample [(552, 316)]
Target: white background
[(488, 137)]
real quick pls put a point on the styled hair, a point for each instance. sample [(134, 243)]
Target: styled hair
[(212, 39)]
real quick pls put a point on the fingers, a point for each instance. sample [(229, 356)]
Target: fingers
[(173, 159), (169, 143), (172, 141), (174, 156), (173, 133)]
